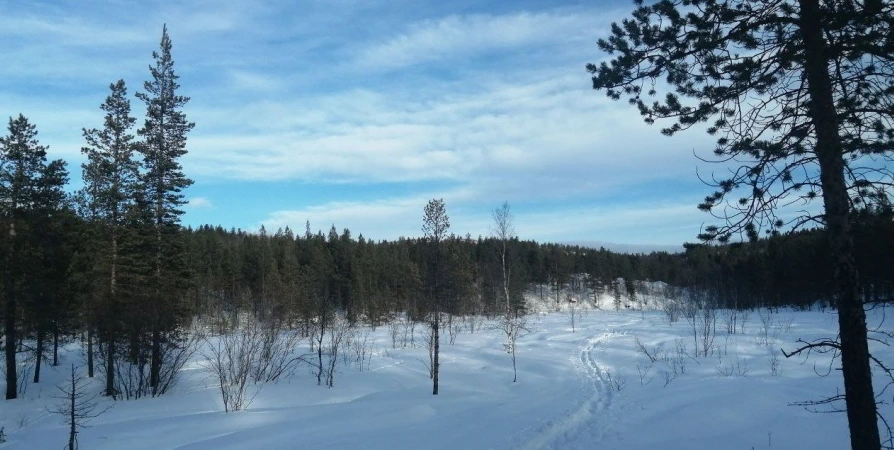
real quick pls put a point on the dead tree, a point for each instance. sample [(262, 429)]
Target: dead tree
[(77, 406)]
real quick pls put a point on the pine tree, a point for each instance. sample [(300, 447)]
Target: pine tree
[(799, 91), (111, 181), (434, 228), (49, 244), (164, 142), (22, 162)]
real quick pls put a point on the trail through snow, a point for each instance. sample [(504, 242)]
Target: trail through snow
[(591, 418)]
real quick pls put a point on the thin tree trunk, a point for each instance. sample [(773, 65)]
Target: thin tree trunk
[(73, 431), (320, 346), (855, 365), (110, 366), (436, 336), (10, 333), (514, 372), (55, 343), (39, 352), (155, 363), (90, 352), (110, 338)]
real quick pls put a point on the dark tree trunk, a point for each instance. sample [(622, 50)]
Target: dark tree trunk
[(110, 365), (55, 343), (155, 363), (858, 391), (73, 420), (90, 352), (435, 335), (10, 323), (38, 352)]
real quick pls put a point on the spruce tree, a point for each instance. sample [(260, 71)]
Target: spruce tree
[(164, 143), (48, 259), (111, 181), (22, 161)]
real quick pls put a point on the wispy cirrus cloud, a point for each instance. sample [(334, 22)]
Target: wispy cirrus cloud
[(444, 39), (489, 102)]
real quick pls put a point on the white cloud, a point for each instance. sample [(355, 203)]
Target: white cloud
[(555, 128), (199, 203), (442, 39)]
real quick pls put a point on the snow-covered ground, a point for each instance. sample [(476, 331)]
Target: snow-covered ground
[(590, 388)]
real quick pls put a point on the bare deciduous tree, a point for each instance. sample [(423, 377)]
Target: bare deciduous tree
[(513, 322)]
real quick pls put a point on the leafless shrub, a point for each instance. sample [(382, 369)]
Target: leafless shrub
[(231, 358), (131, 366), (248, 353), (730, 318), (653, 355), (277, 357), (743, 319), (24, 421), (643, 370), (773, 360), (668, 376), (398, 331), (739, 368), (339, 332), (361, 348), (454, 328), (428, 338), (615, 381), (672, 306), (766, 324), (702, 317), (783, 326), (681, 356)]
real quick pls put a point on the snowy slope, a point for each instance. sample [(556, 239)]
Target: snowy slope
[(576, 390)]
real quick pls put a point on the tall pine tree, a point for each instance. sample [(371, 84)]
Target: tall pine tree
[(22, 164), (799, 94), (164, 142), (111, 182), (49, 258)]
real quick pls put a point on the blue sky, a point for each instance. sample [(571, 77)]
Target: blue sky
[(355, 113)]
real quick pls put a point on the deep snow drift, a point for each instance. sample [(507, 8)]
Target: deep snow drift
[(590, 388)]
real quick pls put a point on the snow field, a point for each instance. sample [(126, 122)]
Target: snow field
[(591, 388)]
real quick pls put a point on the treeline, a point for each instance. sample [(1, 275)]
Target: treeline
[(793, 269), (373, 280)]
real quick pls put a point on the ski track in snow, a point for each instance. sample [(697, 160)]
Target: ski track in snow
[(591, 418)]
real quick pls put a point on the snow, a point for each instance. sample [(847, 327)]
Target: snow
[(575, 390)]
